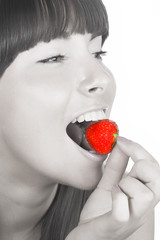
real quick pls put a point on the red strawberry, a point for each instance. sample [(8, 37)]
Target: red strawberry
[(102, 135)]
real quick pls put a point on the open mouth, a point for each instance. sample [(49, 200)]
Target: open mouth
[(76, 130)]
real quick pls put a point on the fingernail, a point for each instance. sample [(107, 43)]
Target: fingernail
[(122, 139), (116, 188)]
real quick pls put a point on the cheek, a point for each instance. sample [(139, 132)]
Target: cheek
[(43, 145), (38, 139), (33, 128), (32, 118)]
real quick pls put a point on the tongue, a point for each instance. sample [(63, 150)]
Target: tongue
[(77, 133)]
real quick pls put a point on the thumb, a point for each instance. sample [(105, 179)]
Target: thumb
[(100, 201), (114, 169)]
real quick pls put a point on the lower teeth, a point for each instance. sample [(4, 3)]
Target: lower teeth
[(91, 151)]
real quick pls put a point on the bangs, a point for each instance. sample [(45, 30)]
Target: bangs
[(59, 18), (25, 23)]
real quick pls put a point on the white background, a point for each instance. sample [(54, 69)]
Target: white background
[(134, 58)]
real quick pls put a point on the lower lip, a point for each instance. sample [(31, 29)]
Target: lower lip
[(99, 158)]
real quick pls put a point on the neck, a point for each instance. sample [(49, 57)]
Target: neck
[(25, 197)]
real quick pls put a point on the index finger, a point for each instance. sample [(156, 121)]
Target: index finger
[(134, 150), (114, 169)]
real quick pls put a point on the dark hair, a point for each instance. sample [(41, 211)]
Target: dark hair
[(23, 24), (63, 214)]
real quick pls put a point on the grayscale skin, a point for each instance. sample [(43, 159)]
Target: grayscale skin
[(37, 101)]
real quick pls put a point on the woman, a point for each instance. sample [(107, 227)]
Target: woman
[(51, 76)]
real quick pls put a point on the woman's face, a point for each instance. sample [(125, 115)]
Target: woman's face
[(40, 94)]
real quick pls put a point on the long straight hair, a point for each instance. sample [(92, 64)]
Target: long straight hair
[(23, 24), (63, 214)]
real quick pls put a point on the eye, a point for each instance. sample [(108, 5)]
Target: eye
[(99, 54), (54, 59)]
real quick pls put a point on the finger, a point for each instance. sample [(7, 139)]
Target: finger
[(114, 170), (148, 173), (120, 205), (134, 150), (140, 196), (109, 223), (146, 168)]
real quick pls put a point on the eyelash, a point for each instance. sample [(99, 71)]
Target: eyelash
[(55, 59), (60, 58), (99, 54)]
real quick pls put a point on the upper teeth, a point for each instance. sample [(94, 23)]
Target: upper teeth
[(91, 116)]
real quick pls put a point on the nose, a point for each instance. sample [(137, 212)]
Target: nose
[(95, 79)]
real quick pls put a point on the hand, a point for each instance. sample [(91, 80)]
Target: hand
[(114, 212)]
